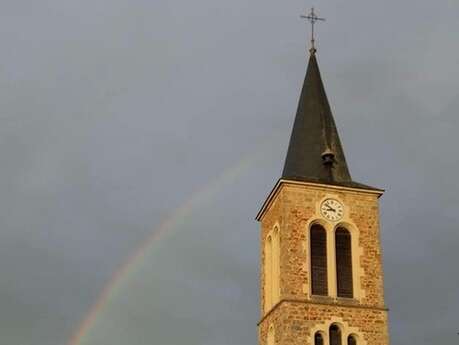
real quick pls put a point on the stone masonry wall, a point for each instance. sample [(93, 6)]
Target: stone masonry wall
[(295, 323), (293, 208)]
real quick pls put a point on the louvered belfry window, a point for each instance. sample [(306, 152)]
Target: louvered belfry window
[(343, 263), (335, 335), (319, 284), (318, 339)]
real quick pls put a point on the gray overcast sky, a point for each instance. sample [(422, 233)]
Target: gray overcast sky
[(115, 113)]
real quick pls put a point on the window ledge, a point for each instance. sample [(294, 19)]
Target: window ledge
[(347, 300), (322, 298), (333, 300)]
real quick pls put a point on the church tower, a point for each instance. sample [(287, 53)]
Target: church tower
[(321, 263)]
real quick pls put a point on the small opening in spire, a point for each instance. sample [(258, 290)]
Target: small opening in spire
[(328, 157), (328, 160)]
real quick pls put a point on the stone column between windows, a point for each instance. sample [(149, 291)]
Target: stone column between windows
[(331, 263)]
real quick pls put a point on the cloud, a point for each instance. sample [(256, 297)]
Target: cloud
[(113, 113)]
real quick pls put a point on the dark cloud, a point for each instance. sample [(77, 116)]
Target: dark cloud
[(114, 112)]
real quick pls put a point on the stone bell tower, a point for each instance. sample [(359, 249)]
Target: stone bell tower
[(321, 263)]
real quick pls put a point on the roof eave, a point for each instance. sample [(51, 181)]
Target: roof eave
[(281, 181)]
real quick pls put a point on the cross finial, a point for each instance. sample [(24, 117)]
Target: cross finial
[(312, 17)]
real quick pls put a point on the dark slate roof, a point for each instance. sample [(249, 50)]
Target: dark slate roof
[(314, 135)]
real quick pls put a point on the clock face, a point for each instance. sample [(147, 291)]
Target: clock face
[(332, 209)]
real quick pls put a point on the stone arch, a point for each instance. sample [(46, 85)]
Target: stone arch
[(346, 331), (275, 275), (319, 338), (318, 221), (351, 339), (335, 334), (272, 268), (268, 273)]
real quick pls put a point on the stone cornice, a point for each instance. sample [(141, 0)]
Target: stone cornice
[(325, 301), (280, 182)]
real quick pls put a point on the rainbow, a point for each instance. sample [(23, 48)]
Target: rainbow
[(173, 222)]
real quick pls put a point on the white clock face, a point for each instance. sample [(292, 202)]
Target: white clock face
[(332, 209)]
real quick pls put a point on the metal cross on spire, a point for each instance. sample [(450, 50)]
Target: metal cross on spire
[(312, 17)]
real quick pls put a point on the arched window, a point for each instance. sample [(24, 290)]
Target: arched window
[(318, 236), (271, 335), (343, 263), (335, 335), (272, 269), (268, 273), (351, 340), (318, 339), (275, 266)]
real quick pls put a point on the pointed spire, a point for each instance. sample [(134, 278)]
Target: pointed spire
[(315, 153)]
